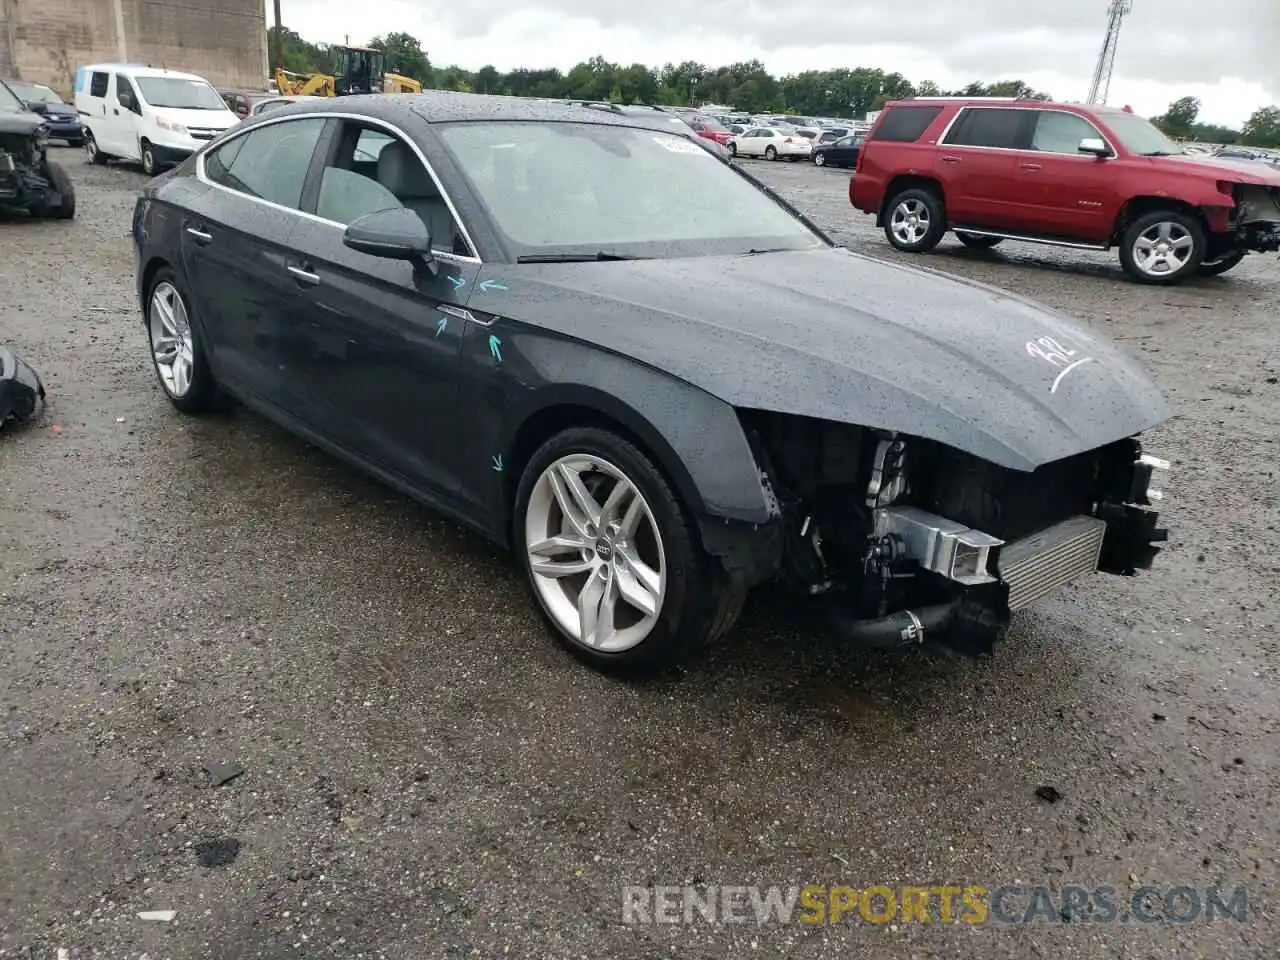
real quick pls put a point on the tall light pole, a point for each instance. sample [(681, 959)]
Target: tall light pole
[(1101, 85)]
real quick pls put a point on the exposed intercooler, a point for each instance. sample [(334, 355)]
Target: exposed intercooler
[(1036, 566)]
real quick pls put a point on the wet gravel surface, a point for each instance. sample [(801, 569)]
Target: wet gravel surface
[(421, 773)]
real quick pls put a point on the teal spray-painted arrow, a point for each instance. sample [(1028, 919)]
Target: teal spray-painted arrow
[(441, 324), (487, 285), (495, 348), (497, 463)]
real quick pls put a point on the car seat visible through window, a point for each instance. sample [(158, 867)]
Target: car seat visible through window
[(401, 172)]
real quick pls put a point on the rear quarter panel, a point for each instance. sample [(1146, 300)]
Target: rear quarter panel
[(879, 161)]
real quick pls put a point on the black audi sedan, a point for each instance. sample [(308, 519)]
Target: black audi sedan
[(635, 365)]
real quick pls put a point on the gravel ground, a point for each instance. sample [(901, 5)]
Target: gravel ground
[(426, 775)]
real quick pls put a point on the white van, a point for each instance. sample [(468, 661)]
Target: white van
[(153, 117)]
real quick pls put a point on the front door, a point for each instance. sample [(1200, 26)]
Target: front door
[(380, 338), (1068, 193), (126, 112), (239, 276)]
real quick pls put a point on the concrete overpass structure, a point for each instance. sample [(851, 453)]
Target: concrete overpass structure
[(224, 41)]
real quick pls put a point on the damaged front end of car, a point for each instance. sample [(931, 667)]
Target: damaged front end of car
[(21, 391), (1255, 221), (29, 181), (914, 543)]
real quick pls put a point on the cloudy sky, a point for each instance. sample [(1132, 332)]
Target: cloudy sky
[(1226, 52)]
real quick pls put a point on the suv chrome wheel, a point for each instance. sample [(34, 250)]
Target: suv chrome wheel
[(172, 348), (595, 552), (1163, 249), (910, 221)]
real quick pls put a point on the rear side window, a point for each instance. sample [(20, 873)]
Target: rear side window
[(988, 127), (905, 124), (269, 163), (98, 84)]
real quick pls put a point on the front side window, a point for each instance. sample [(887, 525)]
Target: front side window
[(124, 93), (373, 170), (269, 163), (987, 127), (179, 94), (559, 188), (1058, 132)]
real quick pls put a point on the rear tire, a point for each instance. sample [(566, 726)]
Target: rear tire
[(733, 149), (633, 548), (771, 153), (915, 220), (1162, 248), (1222, 264), (65, 208), (976, 241)]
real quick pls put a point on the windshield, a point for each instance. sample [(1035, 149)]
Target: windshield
[(1140, 136), (579, 188), (9, 103), (32, 92), (179, 94)]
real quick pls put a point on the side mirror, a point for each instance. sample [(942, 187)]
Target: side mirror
[(1094, 145), (393, 234)]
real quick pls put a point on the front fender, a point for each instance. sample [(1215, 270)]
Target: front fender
[(696, 438)]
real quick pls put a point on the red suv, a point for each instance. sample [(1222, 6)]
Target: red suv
[(1090, 177)]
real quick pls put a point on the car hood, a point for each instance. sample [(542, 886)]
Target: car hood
[(842, 337), (200, 119), (23, 124), (1236, 169)]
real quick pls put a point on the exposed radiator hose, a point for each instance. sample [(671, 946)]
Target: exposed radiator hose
[(902, 629)]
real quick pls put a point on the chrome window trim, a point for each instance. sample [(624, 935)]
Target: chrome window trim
[(942, 137), (203, 177)]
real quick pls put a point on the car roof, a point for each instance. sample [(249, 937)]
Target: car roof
[(442, 106), (1016, 103), (142, 70)]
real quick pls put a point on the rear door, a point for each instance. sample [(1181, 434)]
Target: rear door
[(1065, 193), (976, 163), (382, 337), (236, 254)]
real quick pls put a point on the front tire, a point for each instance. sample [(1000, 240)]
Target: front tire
[(976, 241), (65, 208), (176, 351), (733, 149), (96, 156), (148, 158), (1163, 247), (1222, 264), (820, 159), (916, 220), (615, 564)]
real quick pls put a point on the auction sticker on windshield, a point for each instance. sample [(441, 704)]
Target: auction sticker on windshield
[(678, 145)]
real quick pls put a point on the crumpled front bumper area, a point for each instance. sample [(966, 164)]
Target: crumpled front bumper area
[(979, 580), (21, 392)]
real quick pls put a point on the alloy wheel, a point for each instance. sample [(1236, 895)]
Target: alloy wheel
[(820, 159), (595, 553), (172, 346), (910, 221), (1163, 249)]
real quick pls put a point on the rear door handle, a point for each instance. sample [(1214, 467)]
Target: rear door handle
[(1033, 166), (201, 237), (950, 159), (304, 276)]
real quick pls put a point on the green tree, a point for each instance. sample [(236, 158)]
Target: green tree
[(1262, 129), (1179, 119), (488, 80), (405, 56)]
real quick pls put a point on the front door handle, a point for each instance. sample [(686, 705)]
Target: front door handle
[(1033, 166), (304, 276), (201, 237), (950, 159)]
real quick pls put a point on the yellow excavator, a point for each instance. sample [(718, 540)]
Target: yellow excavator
[(356, 70)]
